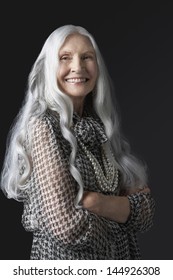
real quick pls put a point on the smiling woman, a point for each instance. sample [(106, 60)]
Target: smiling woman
[(85, 195)]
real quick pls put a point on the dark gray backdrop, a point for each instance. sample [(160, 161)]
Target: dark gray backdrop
[(136, 39)]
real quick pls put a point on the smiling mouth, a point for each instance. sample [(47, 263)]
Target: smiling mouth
[(77, 80)]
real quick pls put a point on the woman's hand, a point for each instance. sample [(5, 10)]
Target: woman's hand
[(129, 191)]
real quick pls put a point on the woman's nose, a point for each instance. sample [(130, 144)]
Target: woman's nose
[(76, 64)]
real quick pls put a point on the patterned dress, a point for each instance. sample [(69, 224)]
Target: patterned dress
[(60, 231)]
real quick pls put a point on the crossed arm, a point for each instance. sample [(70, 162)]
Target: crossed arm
[(112, 207)]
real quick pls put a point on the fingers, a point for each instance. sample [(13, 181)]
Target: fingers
[(145, 190), (134, 190)]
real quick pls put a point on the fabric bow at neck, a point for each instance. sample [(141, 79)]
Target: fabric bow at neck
[(88, 130)]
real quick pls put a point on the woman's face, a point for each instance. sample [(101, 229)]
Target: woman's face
[(78, 69)]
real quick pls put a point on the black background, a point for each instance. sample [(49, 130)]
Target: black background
[(136, 39)]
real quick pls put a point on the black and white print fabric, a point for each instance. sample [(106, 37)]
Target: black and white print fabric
[(60, 231)]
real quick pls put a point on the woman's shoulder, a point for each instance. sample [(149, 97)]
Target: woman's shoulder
[(48, 120)]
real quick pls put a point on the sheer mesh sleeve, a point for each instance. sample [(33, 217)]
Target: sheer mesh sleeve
[(55, 188), (142, 212)]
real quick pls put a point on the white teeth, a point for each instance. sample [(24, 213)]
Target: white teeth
[(77, 80)]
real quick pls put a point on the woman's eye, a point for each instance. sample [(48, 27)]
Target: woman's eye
[(87, 57), (65, 58)]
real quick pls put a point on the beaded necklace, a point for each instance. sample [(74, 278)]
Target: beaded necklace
[(107, 182)]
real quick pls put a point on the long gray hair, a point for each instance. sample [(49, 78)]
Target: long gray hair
[(42, 93)]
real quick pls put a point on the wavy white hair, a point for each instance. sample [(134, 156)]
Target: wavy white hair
[(42, 93)]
